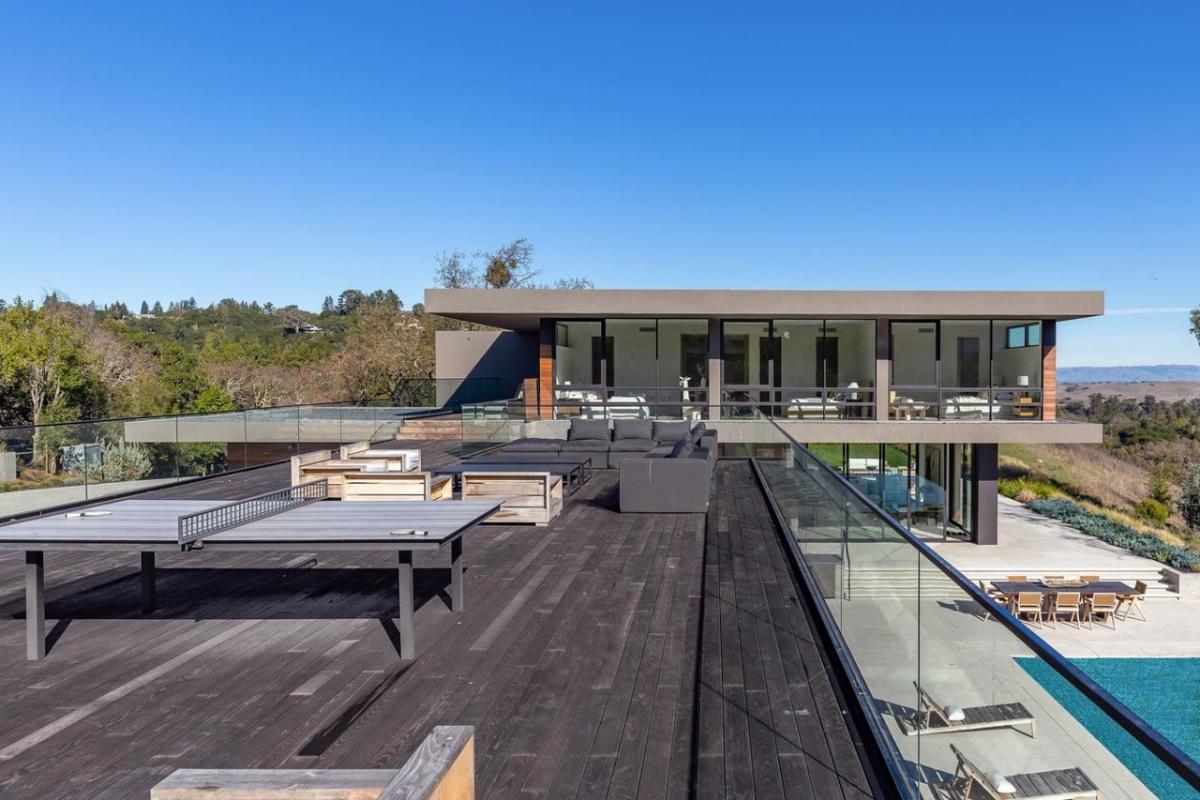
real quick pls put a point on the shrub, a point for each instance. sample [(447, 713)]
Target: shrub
[(124, 462), (1152, 510), (1025, 489), (1106, 530)]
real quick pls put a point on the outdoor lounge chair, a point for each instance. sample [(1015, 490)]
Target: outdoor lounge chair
[(1133, 602), (1102, 606), (1056, 784), (932, 717), (1063, 603)]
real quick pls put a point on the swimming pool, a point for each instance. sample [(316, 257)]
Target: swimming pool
[(1163, 691)]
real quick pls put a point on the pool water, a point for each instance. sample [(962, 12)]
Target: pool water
[(1163, 691)]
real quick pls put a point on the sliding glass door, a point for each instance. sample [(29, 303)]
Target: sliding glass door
[(631, 368)]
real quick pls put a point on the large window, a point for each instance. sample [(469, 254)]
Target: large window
[(928, 487), (631, 368), (800, 368), (914, 390), (966, 369)]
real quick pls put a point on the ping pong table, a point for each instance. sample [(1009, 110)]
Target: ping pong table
[(291, 519)]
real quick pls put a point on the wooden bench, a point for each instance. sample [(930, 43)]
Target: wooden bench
[(442, 768), (396, 486), (526, 497), (322, 464), (402, 460)]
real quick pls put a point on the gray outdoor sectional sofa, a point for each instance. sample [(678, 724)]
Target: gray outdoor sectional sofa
[(666, 466)]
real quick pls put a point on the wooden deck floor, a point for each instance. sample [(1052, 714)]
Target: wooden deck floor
[(606, 655)]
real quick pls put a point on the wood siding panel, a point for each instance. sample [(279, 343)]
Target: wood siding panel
[(546, 370), (1049, 370)]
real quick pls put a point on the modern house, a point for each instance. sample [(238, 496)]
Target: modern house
[(908, 393)]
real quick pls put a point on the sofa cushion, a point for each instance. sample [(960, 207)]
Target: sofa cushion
[(665, 432), (682, 448), (585, 446), (661, 451), (698, 432), (589, 430), (633, 429), (632, 446), (534, 445)]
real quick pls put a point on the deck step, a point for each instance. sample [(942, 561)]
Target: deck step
[(448, 426)]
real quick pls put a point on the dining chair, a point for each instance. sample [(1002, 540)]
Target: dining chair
[(1030, 603), (1133, 602), (1016, 579), (1064, 603), (1089, 578), (1102, 606)]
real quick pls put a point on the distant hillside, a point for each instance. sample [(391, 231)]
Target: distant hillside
[(1138, 374)]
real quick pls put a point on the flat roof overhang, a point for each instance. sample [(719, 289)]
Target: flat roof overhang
[(521, 309)]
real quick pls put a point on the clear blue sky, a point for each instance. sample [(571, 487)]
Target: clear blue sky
[(284, 151)]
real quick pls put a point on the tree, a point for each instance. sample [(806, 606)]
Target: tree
[(1195, 329), (386, 350), (349, 300), (453, 272), (145, 308), (574, 283), (43, 354), (1189, 502), (157, 310), (327, 305), (510, 266)]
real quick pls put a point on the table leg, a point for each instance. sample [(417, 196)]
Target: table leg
[(35, 605), (406, 624), (457, 600), (148, 579)]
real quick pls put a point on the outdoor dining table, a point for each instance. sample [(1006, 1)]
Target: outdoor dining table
[(1011, 588)]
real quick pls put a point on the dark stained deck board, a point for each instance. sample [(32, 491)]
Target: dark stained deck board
[(657, 656)]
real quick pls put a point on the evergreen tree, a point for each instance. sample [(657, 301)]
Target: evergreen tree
[(157, 311), (145, 308)]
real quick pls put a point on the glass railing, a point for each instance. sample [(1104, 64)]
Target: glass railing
[(975, 403), (46, 466), (953, 687)]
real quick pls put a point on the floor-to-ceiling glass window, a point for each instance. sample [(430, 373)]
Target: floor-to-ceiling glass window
[(633, 356), (800, 368), (927, 489), (849, 351), (748, 379), (966, 370), (1017, 369), (914, 385), (682, 368), (960, 516), (966, 349), (632, 368), (581, 368)]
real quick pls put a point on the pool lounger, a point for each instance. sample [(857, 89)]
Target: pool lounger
[(977, 718), (1054, 784)]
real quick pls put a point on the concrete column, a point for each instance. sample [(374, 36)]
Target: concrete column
[(987, 471), (715, 369), (883, 368)]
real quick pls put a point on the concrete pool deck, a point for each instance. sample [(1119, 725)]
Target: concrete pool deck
[(1035, 545)]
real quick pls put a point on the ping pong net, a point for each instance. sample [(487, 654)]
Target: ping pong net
[(195, 526)]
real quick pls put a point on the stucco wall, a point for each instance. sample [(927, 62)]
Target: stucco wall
[(508, 356)]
